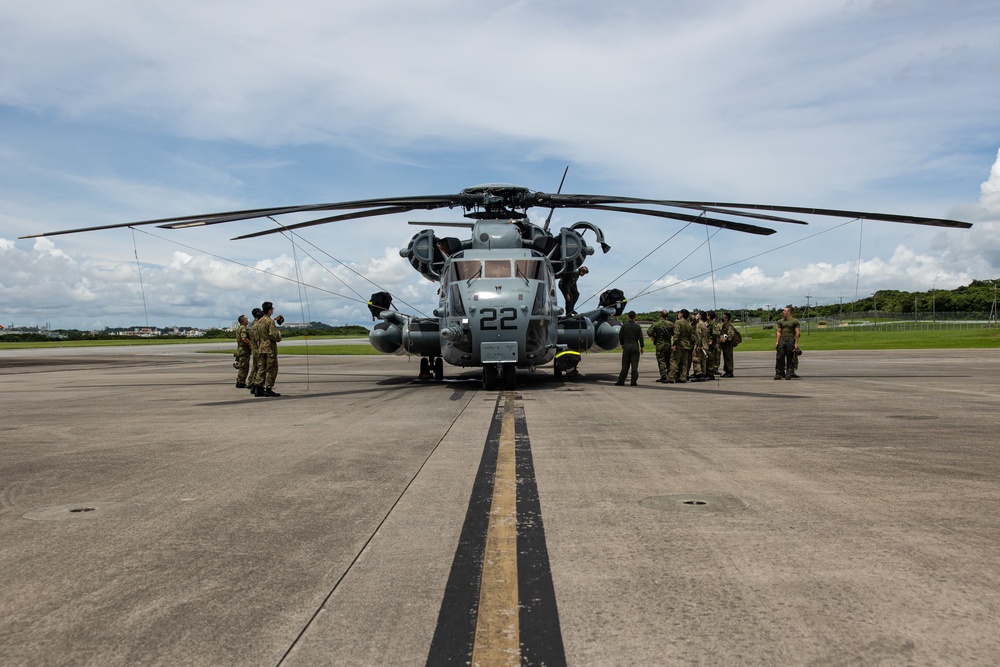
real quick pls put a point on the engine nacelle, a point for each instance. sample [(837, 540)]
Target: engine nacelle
[(422, 336), (576, 333), (387, 338), (606, 334)]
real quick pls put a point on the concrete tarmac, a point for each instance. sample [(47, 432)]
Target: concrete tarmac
[(151, 513)]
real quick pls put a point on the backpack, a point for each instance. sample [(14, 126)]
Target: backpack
[(380, 301), (613, 298), (737, 337)]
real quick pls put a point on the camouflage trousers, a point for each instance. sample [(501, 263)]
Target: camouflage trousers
[(663, 360), (698, 361), (713, 360), (680, 362), (242, 367), (727, 359), (266, 370), (255, 357)]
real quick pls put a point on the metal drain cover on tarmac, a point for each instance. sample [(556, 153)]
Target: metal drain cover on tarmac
[(694, 502), (80, 511)]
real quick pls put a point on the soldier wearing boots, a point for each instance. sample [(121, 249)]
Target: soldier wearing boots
[(253, 381), (699, 353), (680, 357), (266, 339), (661, 334), (728, 340), (242, 353), (786, 343), (713, 346)]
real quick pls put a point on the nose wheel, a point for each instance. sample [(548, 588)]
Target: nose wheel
[(496, 376)]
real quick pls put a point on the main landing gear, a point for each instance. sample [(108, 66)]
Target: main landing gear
[(432, 365)]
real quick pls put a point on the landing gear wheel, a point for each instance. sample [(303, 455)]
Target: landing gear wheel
[(438, 369), (424, 367), (490, 377), (509, 377)]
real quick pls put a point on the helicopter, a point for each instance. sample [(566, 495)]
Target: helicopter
[(497, 305)]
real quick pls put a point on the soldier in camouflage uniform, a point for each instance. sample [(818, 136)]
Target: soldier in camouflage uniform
[(786, 342), (699, 357), (713, 346), (661, 333), (253, 381), (727, 341), (265, 341), (243, 348), (680, 357)]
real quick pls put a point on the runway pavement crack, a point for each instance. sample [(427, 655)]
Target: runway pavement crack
[(364, 547)]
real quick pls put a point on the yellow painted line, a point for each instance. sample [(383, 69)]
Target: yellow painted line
[(497, 633)]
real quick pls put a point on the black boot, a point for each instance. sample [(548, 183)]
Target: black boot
[(270, 392), (258, 390), (241, 385)]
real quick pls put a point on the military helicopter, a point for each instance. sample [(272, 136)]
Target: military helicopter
[(497, 305)]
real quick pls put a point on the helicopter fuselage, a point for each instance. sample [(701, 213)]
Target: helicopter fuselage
[(498, 307)]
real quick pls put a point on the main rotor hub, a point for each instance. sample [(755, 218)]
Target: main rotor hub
[(498, 201)]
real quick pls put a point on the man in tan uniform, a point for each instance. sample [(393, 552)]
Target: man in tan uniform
[(243, 348), (265, 340), (680, 357), (661, 334), (252, 380)]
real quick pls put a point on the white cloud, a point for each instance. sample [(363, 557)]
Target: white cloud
[(119, 111)]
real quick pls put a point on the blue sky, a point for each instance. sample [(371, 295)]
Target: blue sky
[(114, 111)]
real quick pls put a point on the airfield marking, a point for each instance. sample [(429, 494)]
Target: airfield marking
[(499, 606), (497, 640)]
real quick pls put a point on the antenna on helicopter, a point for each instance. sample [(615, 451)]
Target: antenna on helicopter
[(559, 191)]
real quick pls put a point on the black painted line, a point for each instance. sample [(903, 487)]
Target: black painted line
[(540, 631), (455, 634), (541, 634)]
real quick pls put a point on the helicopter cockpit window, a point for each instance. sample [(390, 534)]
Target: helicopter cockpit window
[(528, 268), (497, 268), (466, 269)]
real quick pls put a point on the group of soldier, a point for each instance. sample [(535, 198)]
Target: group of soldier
[(258, 342), (691, 348)]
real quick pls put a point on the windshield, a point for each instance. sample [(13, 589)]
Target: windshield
[(497, 268), (529, 268), (465, 269)]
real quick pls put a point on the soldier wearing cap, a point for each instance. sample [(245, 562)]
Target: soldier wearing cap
[(728, 340), (254, 353), (243, 349), (680, 358), (265, 340), (661, 334), (567, 285), (714, 351)]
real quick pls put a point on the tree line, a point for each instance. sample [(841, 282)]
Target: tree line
[(976, 297)]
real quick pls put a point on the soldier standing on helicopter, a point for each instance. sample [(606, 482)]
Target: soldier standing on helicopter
[(567, 285)]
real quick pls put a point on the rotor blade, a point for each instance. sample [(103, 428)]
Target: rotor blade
[(322, 221), (867, 215), (231, 215), (203, 219), (465, 225), (756, 216), (701, 220), (572, 201)]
